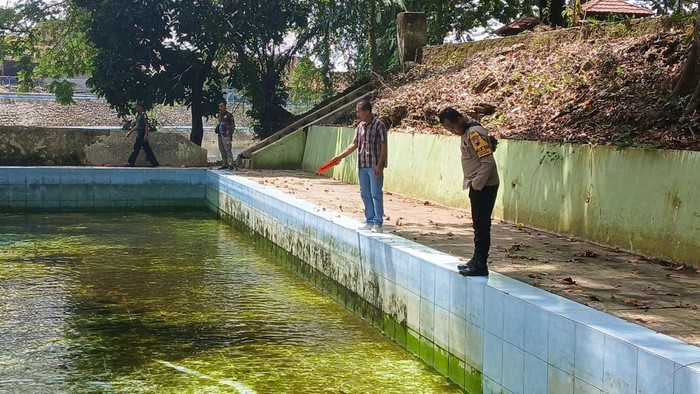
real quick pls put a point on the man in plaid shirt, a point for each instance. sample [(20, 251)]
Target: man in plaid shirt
[(371, 144)]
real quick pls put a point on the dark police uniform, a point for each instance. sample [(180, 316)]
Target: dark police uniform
[(141, 124)]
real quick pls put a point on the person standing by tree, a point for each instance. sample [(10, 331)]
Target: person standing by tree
[(224, 130), (481, 178), (371, 142), (141, 127)]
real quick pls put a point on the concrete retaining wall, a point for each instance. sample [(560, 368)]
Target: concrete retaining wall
[(285, 154), (23, 146), (494, 335), (641, 200)]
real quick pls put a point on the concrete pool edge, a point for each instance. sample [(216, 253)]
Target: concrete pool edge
[(495, 335)]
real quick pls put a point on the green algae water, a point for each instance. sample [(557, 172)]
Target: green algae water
[(176, 303)]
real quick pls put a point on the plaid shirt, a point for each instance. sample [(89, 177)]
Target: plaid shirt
[(369, 139)]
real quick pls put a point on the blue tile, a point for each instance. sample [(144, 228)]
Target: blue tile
[(583, 387), (17, 176), (536, 331), (52, 176), (561, 343), (514, 321), (458, 295), (413, 309), (493, 357), (491, 387), (442, 287), (427, 281), (654, 374), (589, 355), (493, 311), (513, 368), (475, 303), (458, 336), (535, 379), (620, 368), (35, 176), (414, 272), (559, 381), (400, 260), (441, 330), (474, 350), (4, 176), (687, 380), (102, 176), (427, 319)]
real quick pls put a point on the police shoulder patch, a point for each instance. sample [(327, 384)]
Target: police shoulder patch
[(479, 144)]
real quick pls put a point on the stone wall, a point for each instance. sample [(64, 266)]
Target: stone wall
[(35, 146)]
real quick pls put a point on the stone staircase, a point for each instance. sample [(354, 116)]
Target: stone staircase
[(327, 113)]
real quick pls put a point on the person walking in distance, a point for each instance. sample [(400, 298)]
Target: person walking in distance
[(481, 178), (224, 129), (141, 128), (371, 144)]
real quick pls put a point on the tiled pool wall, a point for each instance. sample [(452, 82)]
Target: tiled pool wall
[(99, 188), (494, 335)]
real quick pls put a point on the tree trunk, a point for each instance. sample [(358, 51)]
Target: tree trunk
[(689, 81), (551, 12), (373, 52), (197, 109)]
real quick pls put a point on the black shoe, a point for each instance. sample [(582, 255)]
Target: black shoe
[(223, 168), (231, 168), (475, 270), (465, 265)]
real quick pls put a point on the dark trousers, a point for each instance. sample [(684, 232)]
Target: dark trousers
[(146, 147), (482, 202)]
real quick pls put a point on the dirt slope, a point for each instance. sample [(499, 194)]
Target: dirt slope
[(599, 85)]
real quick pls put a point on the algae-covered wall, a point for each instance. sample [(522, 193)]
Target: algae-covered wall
[(46, 146), (642, 200)]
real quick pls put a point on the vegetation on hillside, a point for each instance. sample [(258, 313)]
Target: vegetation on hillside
[(566, 86)]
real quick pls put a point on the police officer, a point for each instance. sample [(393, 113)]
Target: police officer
[(141, 128), (481, 178)]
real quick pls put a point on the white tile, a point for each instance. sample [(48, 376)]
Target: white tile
[(441, 327), (458, 336), (687, 380), (514, 321), (561, 343), (474, 351), (654, 374), (589, 355), (535, 375), (583, 387), (493, 357), (475, 303), (442, 287), (493, 311), (620, 368), (427, 319), (559, 382), (458, 295), (513, 368)]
